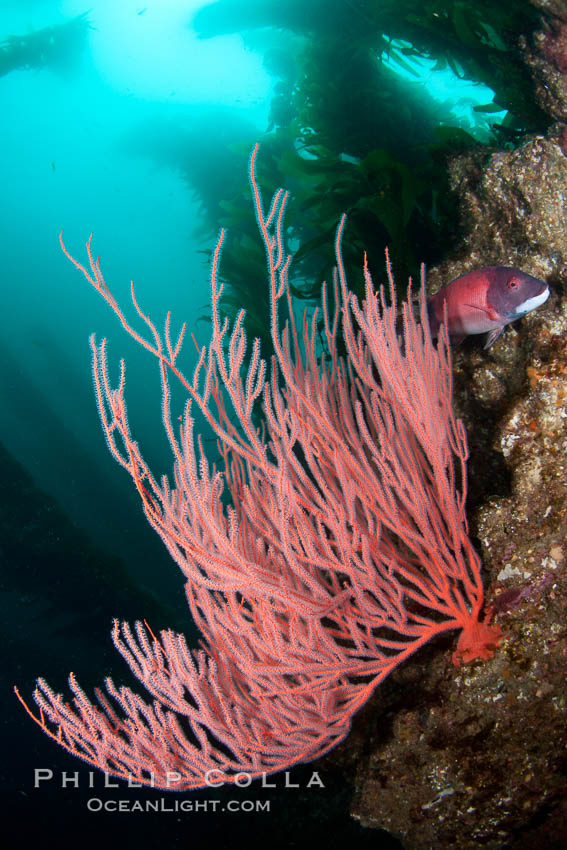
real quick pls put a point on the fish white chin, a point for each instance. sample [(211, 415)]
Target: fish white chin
[(532, 303)]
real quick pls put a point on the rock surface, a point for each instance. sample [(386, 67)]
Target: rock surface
[(476, 757)]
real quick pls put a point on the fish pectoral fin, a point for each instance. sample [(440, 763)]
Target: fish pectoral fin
[(493, 335), (476, 307), (492, 314)]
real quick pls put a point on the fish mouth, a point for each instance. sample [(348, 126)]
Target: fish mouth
[(531, 303)]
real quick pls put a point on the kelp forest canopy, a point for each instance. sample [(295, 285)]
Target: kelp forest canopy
[(357, 125), (371, 101), (55, 47)]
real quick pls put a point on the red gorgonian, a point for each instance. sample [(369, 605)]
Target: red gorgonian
[(341, 550)]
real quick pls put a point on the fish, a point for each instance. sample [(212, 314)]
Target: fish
[(485, 300)]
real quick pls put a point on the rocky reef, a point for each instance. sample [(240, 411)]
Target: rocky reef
[(476, 757)]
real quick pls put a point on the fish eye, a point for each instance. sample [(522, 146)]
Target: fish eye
[(513, 283)]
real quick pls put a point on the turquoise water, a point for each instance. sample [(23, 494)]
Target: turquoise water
[(72, 161)]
